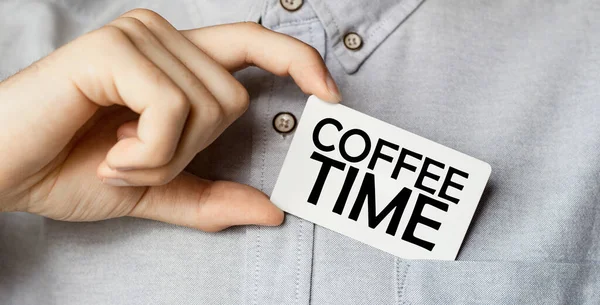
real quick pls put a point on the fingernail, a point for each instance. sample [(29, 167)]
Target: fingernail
[(332, 87), (115, 182)]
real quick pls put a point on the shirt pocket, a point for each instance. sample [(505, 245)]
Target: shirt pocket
[(497, 282)]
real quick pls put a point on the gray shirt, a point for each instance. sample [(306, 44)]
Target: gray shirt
[(513, 83)]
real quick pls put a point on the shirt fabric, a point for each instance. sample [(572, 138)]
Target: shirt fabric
[(513, 83)]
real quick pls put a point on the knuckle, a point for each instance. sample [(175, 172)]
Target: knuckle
[(159, 158), (205, 196), (144, 15), (241, 100), (130, 21), (178, 102), (134, 30), (110, 36), (216, 116), (212, 115), (130, 24), (161, 177)]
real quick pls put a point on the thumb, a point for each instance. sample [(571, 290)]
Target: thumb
[(207, 205)]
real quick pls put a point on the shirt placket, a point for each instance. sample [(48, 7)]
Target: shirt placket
[(278, 261)]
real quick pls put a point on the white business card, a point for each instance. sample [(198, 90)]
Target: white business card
[(379, 184)]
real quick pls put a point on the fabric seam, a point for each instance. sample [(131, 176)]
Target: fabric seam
[(256, 267), (296, 22), (327, 10), (301, 221), (298, 260), (262, 187), (401, 281)]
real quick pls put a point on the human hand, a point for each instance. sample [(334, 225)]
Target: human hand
[(104, 126)]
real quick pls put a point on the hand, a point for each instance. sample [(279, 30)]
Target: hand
[(104, 126)]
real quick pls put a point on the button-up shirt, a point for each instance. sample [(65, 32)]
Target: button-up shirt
[(513, 83)]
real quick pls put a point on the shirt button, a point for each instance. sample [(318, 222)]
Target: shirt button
[(284, 122), (291, 5), (352, 41)]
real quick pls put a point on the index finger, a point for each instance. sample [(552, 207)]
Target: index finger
[(239, 45)]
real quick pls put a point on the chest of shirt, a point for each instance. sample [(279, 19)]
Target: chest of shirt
[(510, 83)]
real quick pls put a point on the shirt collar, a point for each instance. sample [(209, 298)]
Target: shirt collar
[(372, 20)]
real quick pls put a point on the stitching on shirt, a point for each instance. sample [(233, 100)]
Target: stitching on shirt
[(262, 187), (298, 259), (336, 36), (397, 278), (301, 222), (400, 281), (404, 10), (378, 31), (328, 11), (264, 134), (311, 242), (256, 267), (296, 22)]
